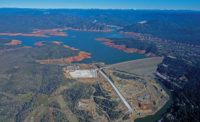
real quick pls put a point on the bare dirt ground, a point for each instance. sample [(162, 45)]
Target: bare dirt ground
[(136, 81)]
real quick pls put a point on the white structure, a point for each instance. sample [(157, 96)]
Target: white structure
[(83, 74), (142, 22)]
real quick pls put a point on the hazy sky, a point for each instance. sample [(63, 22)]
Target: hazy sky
[(119, 4)]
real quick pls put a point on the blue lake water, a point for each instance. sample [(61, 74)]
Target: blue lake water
[(85, 41)]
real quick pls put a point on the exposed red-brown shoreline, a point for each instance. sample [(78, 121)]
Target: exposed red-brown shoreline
[(39, 44), (89, 30), (14, 43), (80, 57), (71, 48), (109, 43), (57, 42), (51, 32), (39, 33)]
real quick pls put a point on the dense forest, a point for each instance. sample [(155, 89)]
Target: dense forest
[(173, 27), (185, 105)]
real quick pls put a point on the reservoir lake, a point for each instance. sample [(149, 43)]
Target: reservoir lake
[(85, 41)]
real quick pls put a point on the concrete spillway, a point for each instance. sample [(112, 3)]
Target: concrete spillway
[(117, 91)]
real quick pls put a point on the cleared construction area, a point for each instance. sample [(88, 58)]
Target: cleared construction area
[(130, 85), (83, 74), (136, 82), (80, 71)]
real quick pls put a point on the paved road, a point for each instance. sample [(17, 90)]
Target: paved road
[(117, 91)]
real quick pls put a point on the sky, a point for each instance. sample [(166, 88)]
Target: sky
[(104, 4)]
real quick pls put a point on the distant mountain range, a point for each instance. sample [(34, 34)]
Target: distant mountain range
[(181, 26)]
